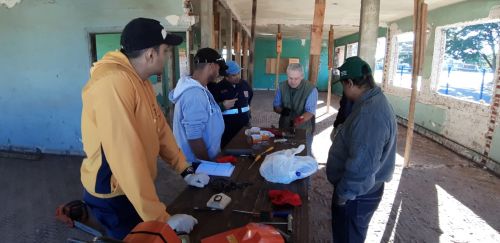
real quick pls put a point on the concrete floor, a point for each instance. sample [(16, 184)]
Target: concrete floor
[(442, 198)]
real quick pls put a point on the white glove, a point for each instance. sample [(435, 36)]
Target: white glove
[(182, 222), (197, 180)]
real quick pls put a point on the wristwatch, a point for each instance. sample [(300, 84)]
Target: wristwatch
[(187, 171)]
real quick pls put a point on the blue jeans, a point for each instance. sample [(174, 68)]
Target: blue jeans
[(350, 221), (116, 214)]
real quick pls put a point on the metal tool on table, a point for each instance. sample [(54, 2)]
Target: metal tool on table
[(266, 215), (206, 209), (260, 155), (289, 223)]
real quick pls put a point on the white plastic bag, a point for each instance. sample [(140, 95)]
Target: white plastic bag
[(284, 167)]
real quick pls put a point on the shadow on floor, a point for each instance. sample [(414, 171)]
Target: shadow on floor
[(442, 198)]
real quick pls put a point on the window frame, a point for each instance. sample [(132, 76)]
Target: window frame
[(393, 64), (440, 51)]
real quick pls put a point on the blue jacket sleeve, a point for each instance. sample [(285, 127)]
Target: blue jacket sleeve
[(311, 102), (195, 113), (368, 138), (277, 98)]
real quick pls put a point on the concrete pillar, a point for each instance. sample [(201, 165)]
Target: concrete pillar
[(244, 62), (368, 30), (221, 11), (252, 43), (207, 23), (237, 42)]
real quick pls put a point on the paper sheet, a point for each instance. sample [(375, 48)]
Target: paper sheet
[(215, 169)]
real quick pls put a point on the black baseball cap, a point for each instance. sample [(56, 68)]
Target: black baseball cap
[(142, 33), (209, 55)]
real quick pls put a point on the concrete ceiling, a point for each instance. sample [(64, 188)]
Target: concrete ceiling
[(296, 15)]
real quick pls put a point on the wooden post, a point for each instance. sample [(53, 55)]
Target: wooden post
[(221, 13), (279, 46), (168, 82), (189, 49), (330, 68), (316, 38), (237, 43), (245, 57), (217, 28), (419, 30), (252, 42), (229, 35), (207, 23)]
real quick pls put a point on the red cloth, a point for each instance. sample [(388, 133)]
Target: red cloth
[(282, 197), (227, 159)]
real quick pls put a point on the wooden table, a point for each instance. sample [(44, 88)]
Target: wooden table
[(252, 198)]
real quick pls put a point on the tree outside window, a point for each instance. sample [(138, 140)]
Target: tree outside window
[(467, 70)]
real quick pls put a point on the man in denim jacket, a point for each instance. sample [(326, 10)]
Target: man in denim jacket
[(362, 156)]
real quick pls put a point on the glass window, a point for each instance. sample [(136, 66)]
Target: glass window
[(467, 70), (339, 56), (404, 56), (379, 60), (352, 50)]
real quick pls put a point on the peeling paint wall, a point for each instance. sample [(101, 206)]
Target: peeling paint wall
[(45, 62), (9, 3), (355, 37), (465, 123)]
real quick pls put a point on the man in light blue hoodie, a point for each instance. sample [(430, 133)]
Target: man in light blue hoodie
[(363, 153), (198, 124)]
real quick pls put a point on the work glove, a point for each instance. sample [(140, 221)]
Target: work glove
[(298, 121), (285, 111), (182, 222), (197, 180)]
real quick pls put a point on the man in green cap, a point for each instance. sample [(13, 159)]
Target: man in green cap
[(363, 154)]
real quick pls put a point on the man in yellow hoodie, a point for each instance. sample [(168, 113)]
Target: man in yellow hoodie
[(124, 131)]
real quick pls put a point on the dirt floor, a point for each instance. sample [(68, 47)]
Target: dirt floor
[(441, 198)]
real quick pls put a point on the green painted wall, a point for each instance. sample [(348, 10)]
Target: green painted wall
[(428, 116), (111, 42), (456, 13), (495, 145), (433, 117), (266, 48), (292, 48), (45, 63), (105, 43), (382, 32)]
